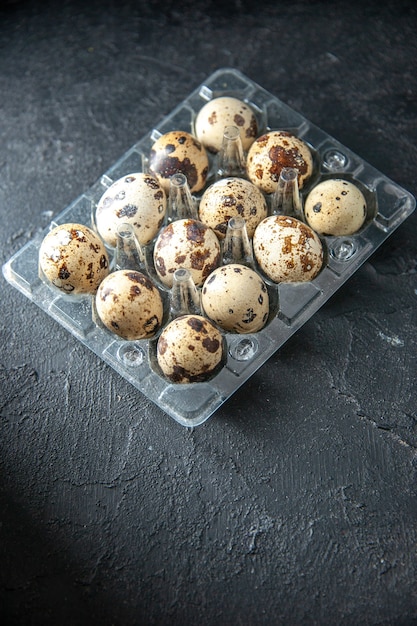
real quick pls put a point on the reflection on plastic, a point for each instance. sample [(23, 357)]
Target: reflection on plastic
[(230, 158), (237, 247), (286, 199)]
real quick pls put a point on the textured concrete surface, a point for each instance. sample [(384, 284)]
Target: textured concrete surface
[(296, 503)]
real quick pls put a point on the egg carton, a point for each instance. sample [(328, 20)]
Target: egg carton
[(192, 404)]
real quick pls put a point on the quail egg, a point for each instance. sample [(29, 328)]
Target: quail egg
[(73, 259), (236, 298), (178, 151), (230, 197), (137, 199), (335, 207), (273, 151), (188, 244), (190, 349), (287, 250), (224, 111), (129, 305)]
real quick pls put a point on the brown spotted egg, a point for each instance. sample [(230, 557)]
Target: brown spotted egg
[(129, 305), (179, 152), (230, 197), (190, 349), (335, 207), (273, 151), (137, 199), (287, 250), (188, 244), (224, 111), (73, 259), (236, 298)]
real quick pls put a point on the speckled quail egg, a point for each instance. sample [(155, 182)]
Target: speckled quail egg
[(236, 298), (178, 151), (287, 250), (224, 111), (230, 197), (273, 151), (73, 259), (129, 304), (137, 199), (335, 207), (188, 244), (190, 349)]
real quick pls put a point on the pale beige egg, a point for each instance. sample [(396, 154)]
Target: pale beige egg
[(273, 151), (137, 199), (190, 349), (179, 152), (335, 207), (187, 244), (73, 259), (224, 111), (232, 197), (287, 250), (129, 305), (236, 298)]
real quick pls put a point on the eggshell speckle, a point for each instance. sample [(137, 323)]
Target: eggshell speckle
[(179, 152), (130, 305), (236, 298), (137, 199), (73, 259), (231, 197), (335, 207), (189, 244), (190, 349), (224, 111), (287, 250), (273, 151)]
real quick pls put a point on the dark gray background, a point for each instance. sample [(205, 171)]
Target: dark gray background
[(295, 503)]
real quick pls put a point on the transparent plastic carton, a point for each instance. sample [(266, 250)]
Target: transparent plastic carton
[(191, 404)]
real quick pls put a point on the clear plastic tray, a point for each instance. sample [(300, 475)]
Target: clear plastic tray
[(192, 404)]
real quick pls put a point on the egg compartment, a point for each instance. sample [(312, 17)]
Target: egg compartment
[(192, 404), (345, 253)]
